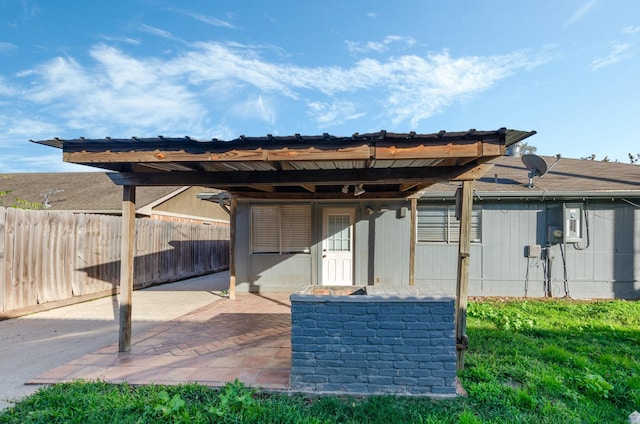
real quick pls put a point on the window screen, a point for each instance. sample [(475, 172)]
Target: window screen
[(439, 224), (281, 229)]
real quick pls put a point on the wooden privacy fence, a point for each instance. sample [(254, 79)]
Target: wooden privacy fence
[(65, 257)]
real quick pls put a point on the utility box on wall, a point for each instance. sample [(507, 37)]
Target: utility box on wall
[(572, 223)]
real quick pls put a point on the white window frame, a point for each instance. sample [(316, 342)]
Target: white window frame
[(444, 227), (280, 229)]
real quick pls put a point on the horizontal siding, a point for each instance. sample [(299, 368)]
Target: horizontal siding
[(609, 266), (277, 273)]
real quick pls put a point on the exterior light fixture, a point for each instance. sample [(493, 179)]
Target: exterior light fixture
[(345, 188), (358, 190)]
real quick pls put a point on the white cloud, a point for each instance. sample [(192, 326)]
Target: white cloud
[(157, 32), (210, 20), (126, 40), (378, 46), (328, 114), (7, 47), (18, 128), (581, 12), (6, 89), (120, 95), (52, 162), (619, 52), (255, 108), (630, 30)]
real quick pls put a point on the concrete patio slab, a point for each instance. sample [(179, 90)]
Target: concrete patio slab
[(37, 343)]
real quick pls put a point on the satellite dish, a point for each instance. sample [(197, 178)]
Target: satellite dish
[(536, 165)]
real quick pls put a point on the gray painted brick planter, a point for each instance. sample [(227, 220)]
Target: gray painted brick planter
[(387, 341)]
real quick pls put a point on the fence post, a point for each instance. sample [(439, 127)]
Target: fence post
[(126, 265)]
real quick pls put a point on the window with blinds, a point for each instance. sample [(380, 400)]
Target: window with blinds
[(281, 229), (439, 224)]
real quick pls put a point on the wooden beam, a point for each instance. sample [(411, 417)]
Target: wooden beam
[(229, 179), (306, 195), (418, 190), (313, 153), (268, 189), (412, 241), (473, 173), (283, 166), (232, 248), (433, 150), (309, 187), (126, 266), (136, 152), (464, 205), (405, 187), (360, 152)]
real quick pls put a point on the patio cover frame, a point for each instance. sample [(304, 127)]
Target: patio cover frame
[(386, 165)]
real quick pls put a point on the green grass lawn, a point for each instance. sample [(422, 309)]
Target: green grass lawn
[(528, 362)]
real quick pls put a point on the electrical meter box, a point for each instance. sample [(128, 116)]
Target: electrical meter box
[(554, 235), (572, 223)]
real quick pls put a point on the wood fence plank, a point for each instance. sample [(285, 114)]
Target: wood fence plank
[(10, 231), (80, 260), (35, 248), (52, 257), (3, 226)]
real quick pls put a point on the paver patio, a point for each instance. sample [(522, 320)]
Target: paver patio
[(248, 338)]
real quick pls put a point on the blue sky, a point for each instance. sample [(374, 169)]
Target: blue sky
[(217, 69)]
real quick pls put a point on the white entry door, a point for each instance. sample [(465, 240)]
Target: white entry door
[(337, 246)]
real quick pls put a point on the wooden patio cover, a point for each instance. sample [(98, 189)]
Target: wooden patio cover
[(389, 165), (386, 165)]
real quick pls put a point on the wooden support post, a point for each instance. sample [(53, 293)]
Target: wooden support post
[(126, 265), (412, 241), (232, 249), (464, 205)]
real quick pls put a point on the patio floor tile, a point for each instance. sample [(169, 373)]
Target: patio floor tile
[(247, 338)]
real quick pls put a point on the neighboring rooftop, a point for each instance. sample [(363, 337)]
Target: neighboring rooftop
[(565, 178), (94, 192)]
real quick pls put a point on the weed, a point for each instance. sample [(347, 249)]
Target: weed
[(592, 384), (168, 408), (236, 401)]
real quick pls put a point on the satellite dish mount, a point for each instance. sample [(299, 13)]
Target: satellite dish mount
[(536, 165)]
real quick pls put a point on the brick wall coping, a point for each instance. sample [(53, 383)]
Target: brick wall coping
[(373, 293)]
